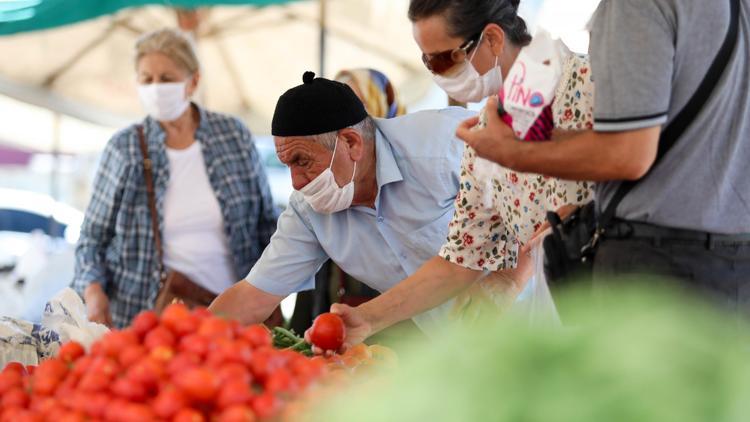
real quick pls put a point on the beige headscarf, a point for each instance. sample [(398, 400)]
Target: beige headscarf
[(375, 91)]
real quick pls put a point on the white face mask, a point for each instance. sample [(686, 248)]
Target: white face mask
[(467, 85), (323, 193), (164, 101)]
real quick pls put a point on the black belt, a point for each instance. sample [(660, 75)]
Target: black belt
[(623, 229)]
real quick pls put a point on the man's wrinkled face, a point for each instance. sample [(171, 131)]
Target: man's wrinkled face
[(305, 158)]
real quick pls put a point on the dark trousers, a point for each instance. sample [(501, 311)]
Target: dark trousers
[(712, 266)]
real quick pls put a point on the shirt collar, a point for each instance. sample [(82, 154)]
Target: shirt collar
[(387, 170)]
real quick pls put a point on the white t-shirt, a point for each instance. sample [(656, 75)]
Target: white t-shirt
[(194, 240)]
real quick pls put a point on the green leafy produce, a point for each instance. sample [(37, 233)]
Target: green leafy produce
[(288, 339)]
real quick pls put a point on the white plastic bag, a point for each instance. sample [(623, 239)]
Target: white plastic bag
[(535, 303), (64, 319), (25, 342), (66, 314)]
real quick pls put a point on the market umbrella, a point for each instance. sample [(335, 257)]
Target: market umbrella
[(250, 55)]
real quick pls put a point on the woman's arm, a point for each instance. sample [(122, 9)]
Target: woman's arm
[(436, 282)]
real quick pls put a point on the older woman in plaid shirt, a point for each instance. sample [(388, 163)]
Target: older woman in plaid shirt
[(213, 202)]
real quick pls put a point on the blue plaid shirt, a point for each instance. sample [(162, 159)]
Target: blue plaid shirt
[(116, 247)]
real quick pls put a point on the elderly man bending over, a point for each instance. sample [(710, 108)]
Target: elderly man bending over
[(375, 196)]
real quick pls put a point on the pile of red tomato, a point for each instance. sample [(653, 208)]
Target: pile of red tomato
[(183, 366)]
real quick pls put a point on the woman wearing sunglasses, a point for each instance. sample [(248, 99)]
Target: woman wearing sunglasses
[(469, 46)]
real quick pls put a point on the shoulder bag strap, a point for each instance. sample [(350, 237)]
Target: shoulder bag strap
[(688, 114), (149, 177)]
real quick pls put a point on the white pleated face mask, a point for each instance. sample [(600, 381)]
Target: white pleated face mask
[(164, 101), (467, 85), (323, 193)]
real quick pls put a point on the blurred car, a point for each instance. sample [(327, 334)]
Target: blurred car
[(37, 251)]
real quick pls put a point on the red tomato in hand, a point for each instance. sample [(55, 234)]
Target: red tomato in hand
[(328, 332)]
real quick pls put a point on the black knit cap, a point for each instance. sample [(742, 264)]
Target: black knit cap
[(317, 106)]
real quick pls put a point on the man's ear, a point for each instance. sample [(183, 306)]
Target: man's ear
[(354, 142)]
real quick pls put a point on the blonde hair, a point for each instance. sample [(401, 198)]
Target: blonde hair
[(172, 44)]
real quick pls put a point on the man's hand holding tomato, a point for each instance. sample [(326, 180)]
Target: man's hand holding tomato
[(356, 328)]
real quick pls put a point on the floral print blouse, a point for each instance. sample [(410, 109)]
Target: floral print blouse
[(496, 214)]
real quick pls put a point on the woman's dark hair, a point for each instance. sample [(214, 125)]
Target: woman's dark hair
[(467, 18)]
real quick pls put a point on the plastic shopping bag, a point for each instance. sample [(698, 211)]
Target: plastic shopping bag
[(64, 319), (497, 297), (25, 342), (66, 314), (535, 304)]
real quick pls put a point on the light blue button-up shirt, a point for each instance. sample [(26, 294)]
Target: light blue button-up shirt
[(418, 162)]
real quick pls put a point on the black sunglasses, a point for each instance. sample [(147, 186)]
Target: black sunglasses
[(441, 62)]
